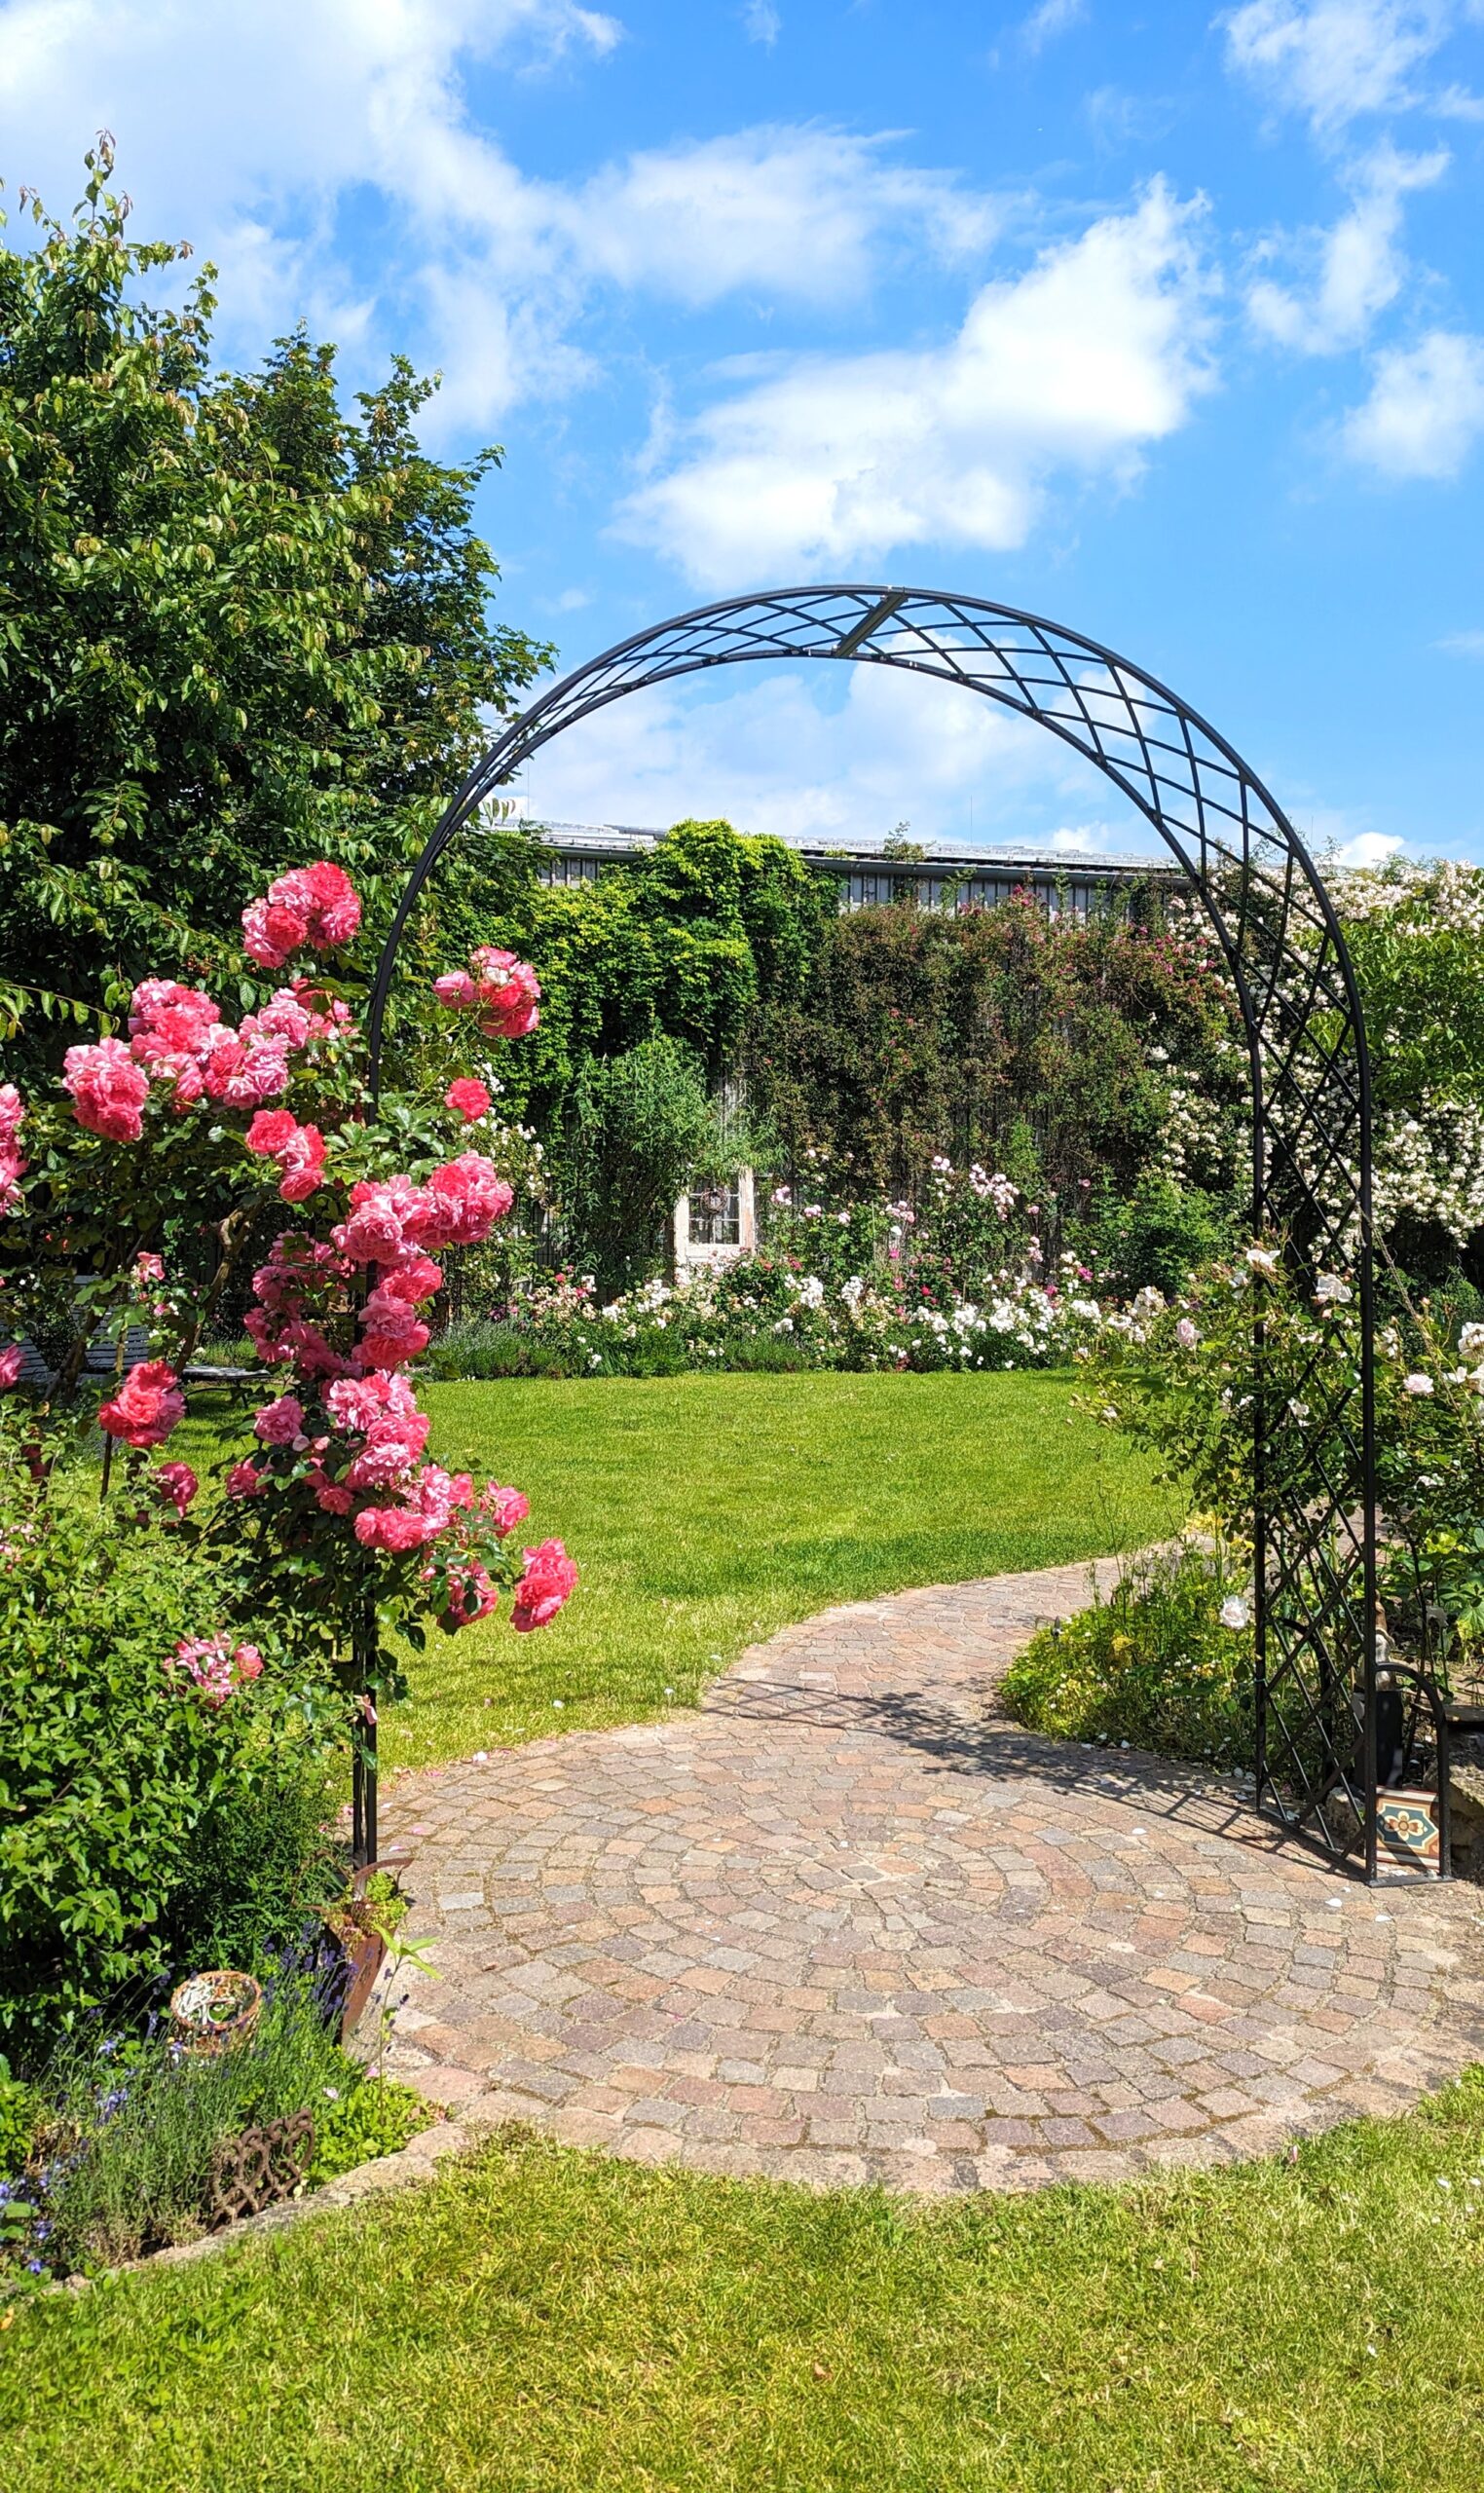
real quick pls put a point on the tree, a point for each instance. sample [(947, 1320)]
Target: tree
[(641, 1128), (239, 626)]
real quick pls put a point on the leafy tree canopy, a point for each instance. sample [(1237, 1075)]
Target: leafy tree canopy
[(239, 627)]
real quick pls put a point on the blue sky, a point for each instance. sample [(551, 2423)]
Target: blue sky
[(1164, 323)]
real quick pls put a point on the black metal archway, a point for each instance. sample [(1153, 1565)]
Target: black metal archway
[(1313, 1471)]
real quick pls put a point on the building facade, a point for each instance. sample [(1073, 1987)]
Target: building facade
[(871, 872)]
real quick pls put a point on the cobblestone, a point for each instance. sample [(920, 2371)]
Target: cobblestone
[(847, 1922)]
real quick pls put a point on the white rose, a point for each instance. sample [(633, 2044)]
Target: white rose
[(1235, 1612)]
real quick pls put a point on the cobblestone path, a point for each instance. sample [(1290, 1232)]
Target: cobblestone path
[(848, 1923)]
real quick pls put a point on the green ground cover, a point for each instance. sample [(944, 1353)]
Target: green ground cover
[(707, 1511), (544, 2320)]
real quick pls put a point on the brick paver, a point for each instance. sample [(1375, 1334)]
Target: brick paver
[(847, 1922)]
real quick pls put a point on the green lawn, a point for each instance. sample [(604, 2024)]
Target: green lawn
[(707, 1511), (542, 2321)]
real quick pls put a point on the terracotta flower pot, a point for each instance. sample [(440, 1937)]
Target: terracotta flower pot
[(362, 1948)]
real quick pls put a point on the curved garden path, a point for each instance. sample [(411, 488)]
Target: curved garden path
[(847, 1922)]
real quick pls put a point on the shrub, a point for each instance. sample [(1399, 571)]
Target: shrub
[(128, 1803), (1154, 1665), (372, 2118)]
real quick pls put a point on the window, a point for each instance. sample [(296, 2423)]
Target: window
[(715, 1216)]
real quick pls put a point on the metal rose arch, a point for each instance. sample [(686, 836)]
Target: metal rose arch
[(1314, 1483)]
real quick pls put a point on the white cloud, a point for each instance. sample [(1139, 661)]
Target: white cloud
[(1075, 367), (762, 22), (1357, 266), (1368, 848), (1336, 59), (1425, 409), (781, 754), (798, 211), (1052, 18), (1463, 645), (252, 124)]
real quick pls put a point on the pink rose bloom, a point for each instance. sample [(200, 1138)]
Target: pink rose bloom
[(389, 1527), (393, 1332), (270, 1131), (510, 993), (109, 1089), (149, 1268), (179, 1484), (1186, 1334), (456, 991), (248, 1069), (276, 1133), (471, 1595), (303, 1165), (357, 1402), (206, 1661), (548, 1583), (12, 1171), (12, 1361), (267, 1332), (178, 1016), (378, 1215), (247, 1662), (391, 1447), (283, 1017), (410, 1277), (12, 1114), (504, 1507), (245, 1481), (332, 1497), (315, 905), (464, 1201), (279, 1423), (307, 1347), (470, 1098), (146, 1407)]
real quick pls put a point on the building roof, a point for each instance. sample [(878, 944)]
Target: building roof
[(619, 839)]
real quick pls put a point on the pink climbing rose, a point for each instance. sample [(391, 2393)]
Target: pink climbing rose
[(547, 1584), (503, 993), (147, 1406), (468, 1097), (109, 1089), (280, 1423), (276, 1133), (12, 1362), (177, 1484), (313, 904)]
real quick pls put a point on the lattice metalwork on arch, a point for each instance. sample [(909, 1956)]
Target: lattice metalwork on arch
[(1314, 1467)]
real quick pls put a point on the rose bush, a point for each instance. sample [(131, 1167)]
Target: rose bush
[(337, 1536)]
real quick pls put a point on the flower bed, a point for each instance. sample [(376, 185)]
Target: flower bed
[(1164, 1662), (132, 2140), (966, 1282)]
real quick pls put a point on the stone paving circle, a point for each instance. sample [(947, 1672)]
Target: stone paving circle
[(847, 1922)]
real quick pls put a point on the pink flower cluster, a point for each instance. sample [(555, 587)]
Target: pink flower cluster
[(176, 1485), (214, 1666), (549, 1580), (276, 1133), (500, 990), (313, 904), (12, 1163), (147, 1405)]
